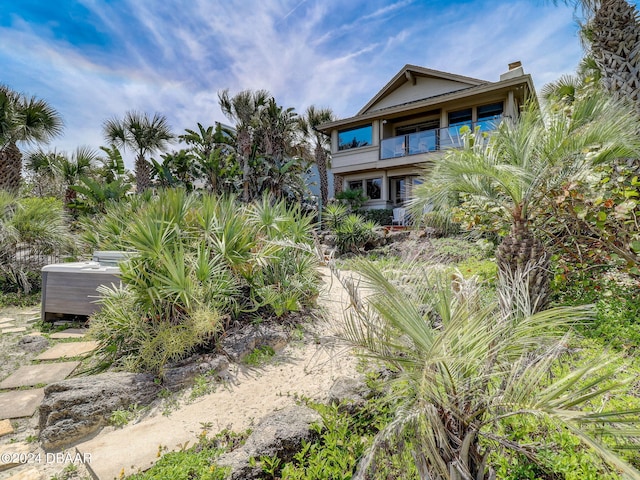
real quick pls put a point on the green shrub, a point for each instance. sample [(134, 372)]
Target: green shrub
[(197, 260), (354, 233), (354, 199), (382, 216), (455, 249), (333, 214)]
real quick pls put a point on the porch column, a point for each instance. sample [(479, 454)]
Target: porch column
[(385, 186)]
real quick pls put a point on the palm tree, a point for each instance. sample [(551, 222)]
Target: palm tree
[(71, 169), (523, 160), (212, 149), (463, 366), (321, 144), (611, 34), (244, 108), (23, 119), (144, 135)]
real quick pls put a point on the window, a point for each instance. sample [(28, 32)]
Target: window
[(489, 111), (489, 116), (398, 189), (460, 117), (354, 137), (355, 185), (374, 188)]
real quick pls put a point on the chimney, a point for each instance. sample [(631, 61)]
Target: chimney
[(515, 70)]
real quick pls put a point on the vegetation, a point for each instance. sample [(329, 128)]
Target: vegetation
[(144, 136), (480, 366), (200, 262), (27, 120), (514, 170)]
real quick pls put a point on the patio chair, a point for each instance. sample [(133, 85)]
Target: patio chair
[(399, 215)]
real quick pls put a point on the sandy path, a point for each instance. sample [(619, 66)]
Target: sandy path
[(307, 368)]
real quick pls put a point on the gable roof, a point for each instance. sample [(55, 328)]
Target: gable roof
[(410, 73)]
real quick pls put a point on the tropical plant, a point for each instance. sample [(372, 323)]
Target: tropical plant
[(520, 163), (32, 231), (354, 233), (198, 260), (464, 365), (308, 123), (113, 167), (27, 120), (144, 136), (612, 36), (212, 148), (71, 169), (333, 215), (94, 195), (244, 109)]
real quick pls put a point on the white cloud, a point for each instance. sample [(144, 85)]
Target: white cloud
[(173, 57)]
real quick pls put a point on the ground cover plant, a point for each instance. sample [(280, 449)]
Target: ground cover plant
[(200, 264)]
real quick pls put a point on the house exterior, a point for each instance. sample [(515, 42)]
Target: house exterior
[(414, 117)]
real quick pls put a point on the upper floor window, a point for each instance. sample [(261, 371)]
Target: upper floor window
[(490, 111), (354, 137), (461, 117)]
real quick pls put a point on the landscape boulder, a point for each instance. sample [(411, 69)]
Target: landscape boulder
[(279, 434), (350, 394), (240, 343), (33, 343), (183, 373), (75, 408)]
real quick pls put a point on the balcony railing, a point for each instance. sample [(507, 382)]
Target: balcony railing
[(432, 140)]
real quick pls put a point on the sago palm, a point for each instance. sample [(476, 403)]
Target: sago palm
[(28, 120), (522, 160), (144, 135), (462, 366)]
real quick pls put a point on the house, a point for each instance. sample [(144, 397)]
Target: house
[(416, 116)]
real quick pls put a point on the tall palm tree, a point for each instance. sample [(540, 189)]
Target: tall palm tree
[(27, 120), (244, 109), (463, 366), (611, 34), (321, 143), (144, 135), (521, 161)]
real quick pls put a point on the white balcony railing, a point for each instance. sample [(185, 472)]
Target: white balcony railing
[(431, 140)]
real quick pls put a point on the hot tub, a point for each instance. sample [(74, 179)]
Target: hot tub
[(70, 288)]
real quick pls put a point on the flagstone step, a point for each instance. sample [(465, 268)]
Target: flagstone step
[(20, 403), (29, 375), (69, 333), (11, 454), (13, 330), (30, 473), (68, 350), (5, 427)]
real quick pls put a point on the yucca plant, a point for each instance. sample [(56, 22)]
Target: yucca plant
[(354, 232), (333, 214), (463, 364)]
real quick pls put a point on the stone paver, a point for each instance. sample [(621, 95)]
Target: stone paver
[(30, 473), (33, 320), (5, 427), (29, 375), (70, 333), (21, 403), (7, 324), (13, 330), (6, 319), (10, 455), (68, 350)]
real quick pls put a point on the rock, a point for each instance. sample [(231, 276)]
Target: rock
[(77, 407), (183, 374), (33, 343), (349, 393), (280, 433), (240, 343)]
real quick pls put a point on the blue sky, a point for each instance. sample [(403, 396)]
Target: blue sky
[(96, 59)]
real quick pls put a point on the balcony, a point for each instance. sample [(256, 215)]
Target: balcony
[(432, 140)]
